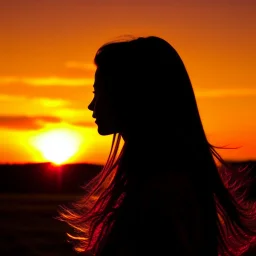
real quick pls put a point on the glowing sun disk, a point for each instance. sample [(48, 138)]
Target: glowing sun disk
[(57, 146)]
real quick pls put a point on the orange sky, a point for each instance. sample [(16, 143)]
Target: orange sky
[(46, 71)]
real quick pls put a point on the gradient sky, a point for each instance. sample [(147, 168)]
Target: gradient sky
[(46, 68)]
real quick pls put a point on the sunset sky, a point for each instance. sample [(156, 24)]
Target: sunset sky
[(46, 70)]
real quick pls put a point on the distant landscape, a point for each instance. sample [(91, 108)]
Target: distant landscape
[(29, 198), (45, 177)]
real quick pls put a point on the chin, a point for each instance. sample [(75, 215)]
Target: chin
[(103, 133), (106, 131)]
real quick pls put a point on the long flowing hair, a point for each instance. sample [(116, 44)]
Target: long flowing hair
[(93, 216)]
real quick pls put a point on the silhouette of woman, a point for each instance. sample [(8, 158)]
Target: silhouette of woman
[(162, 194)]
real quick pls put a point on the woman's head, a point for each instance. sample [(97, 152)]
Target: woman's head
[(141, 85)]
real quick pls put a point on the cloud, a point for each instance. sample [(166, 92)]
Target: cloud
[(26, 122), (65, 93), (47, 81), (41, 101), (84, 124), (80, 65), (46, 102), (219, 93)]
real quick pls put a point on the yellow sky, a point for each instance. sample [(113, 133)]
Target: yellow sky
[(46, 68)]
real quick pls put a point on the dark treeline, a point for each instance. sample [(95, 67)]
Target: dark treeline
[(45, 177), (69, 178)]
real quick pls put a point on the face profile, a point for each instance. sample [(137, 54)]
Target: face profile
[(103, 112)]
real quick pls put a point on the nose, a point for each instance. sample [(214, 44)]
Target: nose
[(91, 106)]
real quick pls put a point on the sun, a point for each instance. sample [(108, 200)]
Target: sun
[(58, 146)]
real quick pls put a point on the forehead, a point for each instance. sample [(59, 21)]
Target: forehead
[(97, 72), (100, 79), (97, 78)]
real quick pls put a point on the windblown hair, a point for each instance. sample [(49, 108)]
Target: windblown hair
[(94, 215)]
